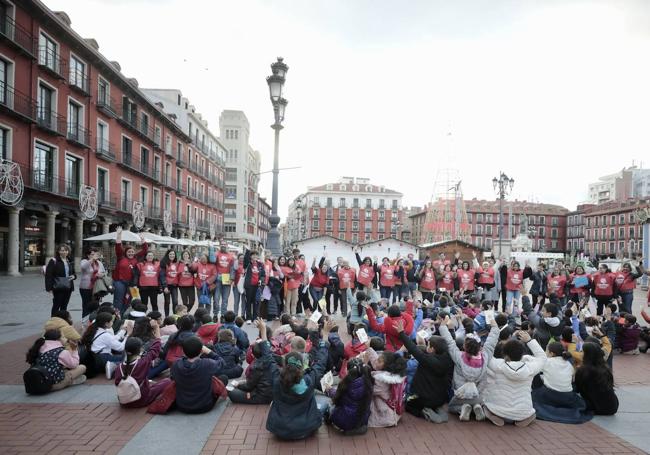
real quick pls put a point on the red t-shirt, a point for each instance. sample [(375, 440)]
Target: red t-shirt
[(255, 273), (486, 276), (224, 262), (603, 283), (387, 275), (185, 275), (447, 281), (319, 280), (149, 272), (366, 274), (346, 278), (584, 290), (466, 279), (204, 272), (428, 280), (556, 284), (124, 267), (624, 281), (514, 280), (171, 273)]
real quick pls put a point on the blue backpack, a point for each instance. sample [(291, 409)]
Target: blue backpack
[(204, 297)]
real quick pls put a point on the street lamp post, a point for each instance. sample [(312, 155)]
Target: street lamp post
[(503, 186), (276, 86)]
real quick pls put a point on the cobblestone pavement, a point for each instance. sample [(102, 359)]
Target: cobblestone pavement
[(86, 418)]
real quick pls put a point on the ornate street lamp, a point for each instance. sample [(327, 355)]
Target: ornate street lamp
[(276, 87), (503, 186)]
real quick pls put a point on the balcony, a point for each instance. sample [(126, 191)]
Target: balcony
[(143, 168), (105, 150), (342, 216), (180, 163), (106, 105), (107, 200), (79, 81), (79, 135), (194, 167), (17, 103), (169, 181), (41, 180), (156, 213), (51, 122), (180, 191), (125, 205), (17, 36), (142, 129), (51, 62)]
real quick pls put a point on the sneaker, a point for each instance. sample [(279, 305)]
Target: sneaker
[(79, 380), (526, 422), (110, 369), (442, 413), (478, 412), (465, 413), (248, 321), (432, 416), (495, 419)]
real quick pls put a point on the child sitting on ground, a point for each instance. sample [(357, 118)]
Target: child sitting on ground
[(257, 387), (179, 311), (389, 387), (627, 335), (240, 335), (230, 353), (351, 400), (208, 330), (61, 363), (169, 326), (101, 340)]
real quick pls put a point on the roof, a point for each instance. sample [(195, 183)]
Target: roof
[(482, 205), (389, 239), (444, 242), (350, 188)]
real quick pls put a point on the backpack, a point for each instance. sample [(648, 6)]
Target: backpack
[(397, 397), (93, 362), (36, 380), (128, 390), (204, 297)]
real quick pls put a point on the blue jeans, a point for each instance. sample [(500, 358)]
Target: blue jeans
[(315, 296), (111, 358), (222, 292), (412, 287), (510, 295), (385, 292), (627, 298), (121, 288), (155, 371), (237, 298)]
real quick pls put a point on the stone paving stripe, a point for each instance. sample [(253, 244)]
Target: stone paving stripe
[(76, 394), (175, 432)]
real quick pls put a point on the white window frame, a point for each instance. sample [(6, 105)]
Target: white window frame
[(85, 64), (10, 139), (146, 204), (55, 158)]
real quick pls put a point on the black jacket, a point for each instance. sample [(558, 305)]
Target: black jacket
[(433, 377), (259, 383), (55, 268), (295, 416), (194, 383), (249, 271), (539, 285)]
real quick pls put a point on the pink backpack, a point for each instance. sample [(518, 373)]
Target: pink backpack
[(397, 397)]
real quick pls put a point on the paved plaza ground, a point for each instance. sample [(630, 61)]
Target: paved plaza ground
[(86, 419)]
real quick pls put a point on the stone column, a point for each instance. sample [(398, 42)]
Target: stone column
[(50, 246), (106, 226), (78, 242), (13, 259)]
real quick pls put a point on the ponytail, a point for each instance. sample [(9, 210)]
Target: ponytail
[(34, 351)]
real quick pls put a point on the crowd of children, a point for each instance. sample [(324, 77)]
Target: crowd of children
[(440, 351)]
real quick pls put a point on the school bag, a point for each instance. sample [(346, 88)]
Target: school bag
[(92, 361), (36, 380), (204, 297), (128, 390), (397, 397)]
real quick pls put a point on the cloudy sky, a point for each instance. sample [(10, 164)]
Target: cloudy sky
[(554, 93)]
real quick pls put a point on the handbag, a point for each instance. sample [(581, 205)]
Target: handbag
[(204, 297), (62, 283)]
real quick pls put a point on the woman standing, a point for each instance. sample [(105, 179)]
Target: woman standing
[(149, 280), (466, 276), (386, 278), (514, 284), (253, 282), (366, 272), (91, 269), (169, 276), (238, 296), (319, 281), (186, 280), (539, 288), (557, 281), (579, 283), (485, 278), (59, 277), (127, 261), (602, 283), (400, 286), (427, 281), (294, 278), (347, 278), (206, 274), (625, 280), (446, 279)]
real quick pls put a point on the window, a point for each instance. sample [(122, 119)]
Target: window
[(612, 247), (621, 233), (144, 196), (329, 202), (553, 233), (341, 225), (541, 231), (368, 203), (554, 221), (488, 243), (621, 219), (46, 106), (48, 53), (554, 244), (129, 111), (394, 205), (611, 234), (382, 215), (329, 213), (531, 219), (342, 202), (102, 186), (612, 219), (355, 214), (368, 214), (126, 195), (479, 229), (631, 232), (342, 213), (315, 225), (168, 201), (179, 215), (469, 217), (5, 143), (542, 219), (381, 203), (4, 81), (102, 137), (367, 237), (72, 175), (231, 192), (78, 73), (127, 150), (488, 229), (43, 166), (156, 167), (343, 187), (328, 225), (103, 92), (168, 172), (355, 238), (488, 218), (231, 174), (355, 202), (75, 120), (188, 212), (479, 217), (355, 226)]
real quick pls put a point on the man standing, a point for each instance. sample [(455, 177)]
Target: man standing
[(224, 265)]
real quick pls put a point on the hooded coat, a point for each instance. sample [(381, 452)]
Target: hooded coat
[(294, 415), (381, 414), (508, 390), (393, 342), (259, 382)]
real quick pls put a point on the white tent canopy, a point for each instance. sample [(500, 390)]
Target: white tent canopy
[(127, 236)]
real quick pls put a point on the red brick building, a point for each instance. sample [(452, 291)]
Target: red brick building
[(70, 118), (547, 223), (351, 209)]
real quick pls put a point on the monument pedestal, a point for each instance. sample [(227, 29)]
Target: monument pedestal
[(506, 248)]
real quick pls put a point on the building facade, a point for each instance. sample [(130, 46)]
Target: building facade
[(352, 209), (263, 214), (612, 229), (69, 119), (242, 179), (547, 223), (629, 183)]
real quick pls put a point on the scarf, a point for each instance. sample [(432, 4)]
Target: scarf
[(474, 361)]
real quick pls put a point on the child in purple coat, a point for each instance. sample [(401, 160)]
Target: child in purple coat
[(352, 399), (628, 335)]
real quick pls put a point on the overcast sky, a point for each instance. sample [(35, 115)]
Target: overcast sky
[(554, 93)]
